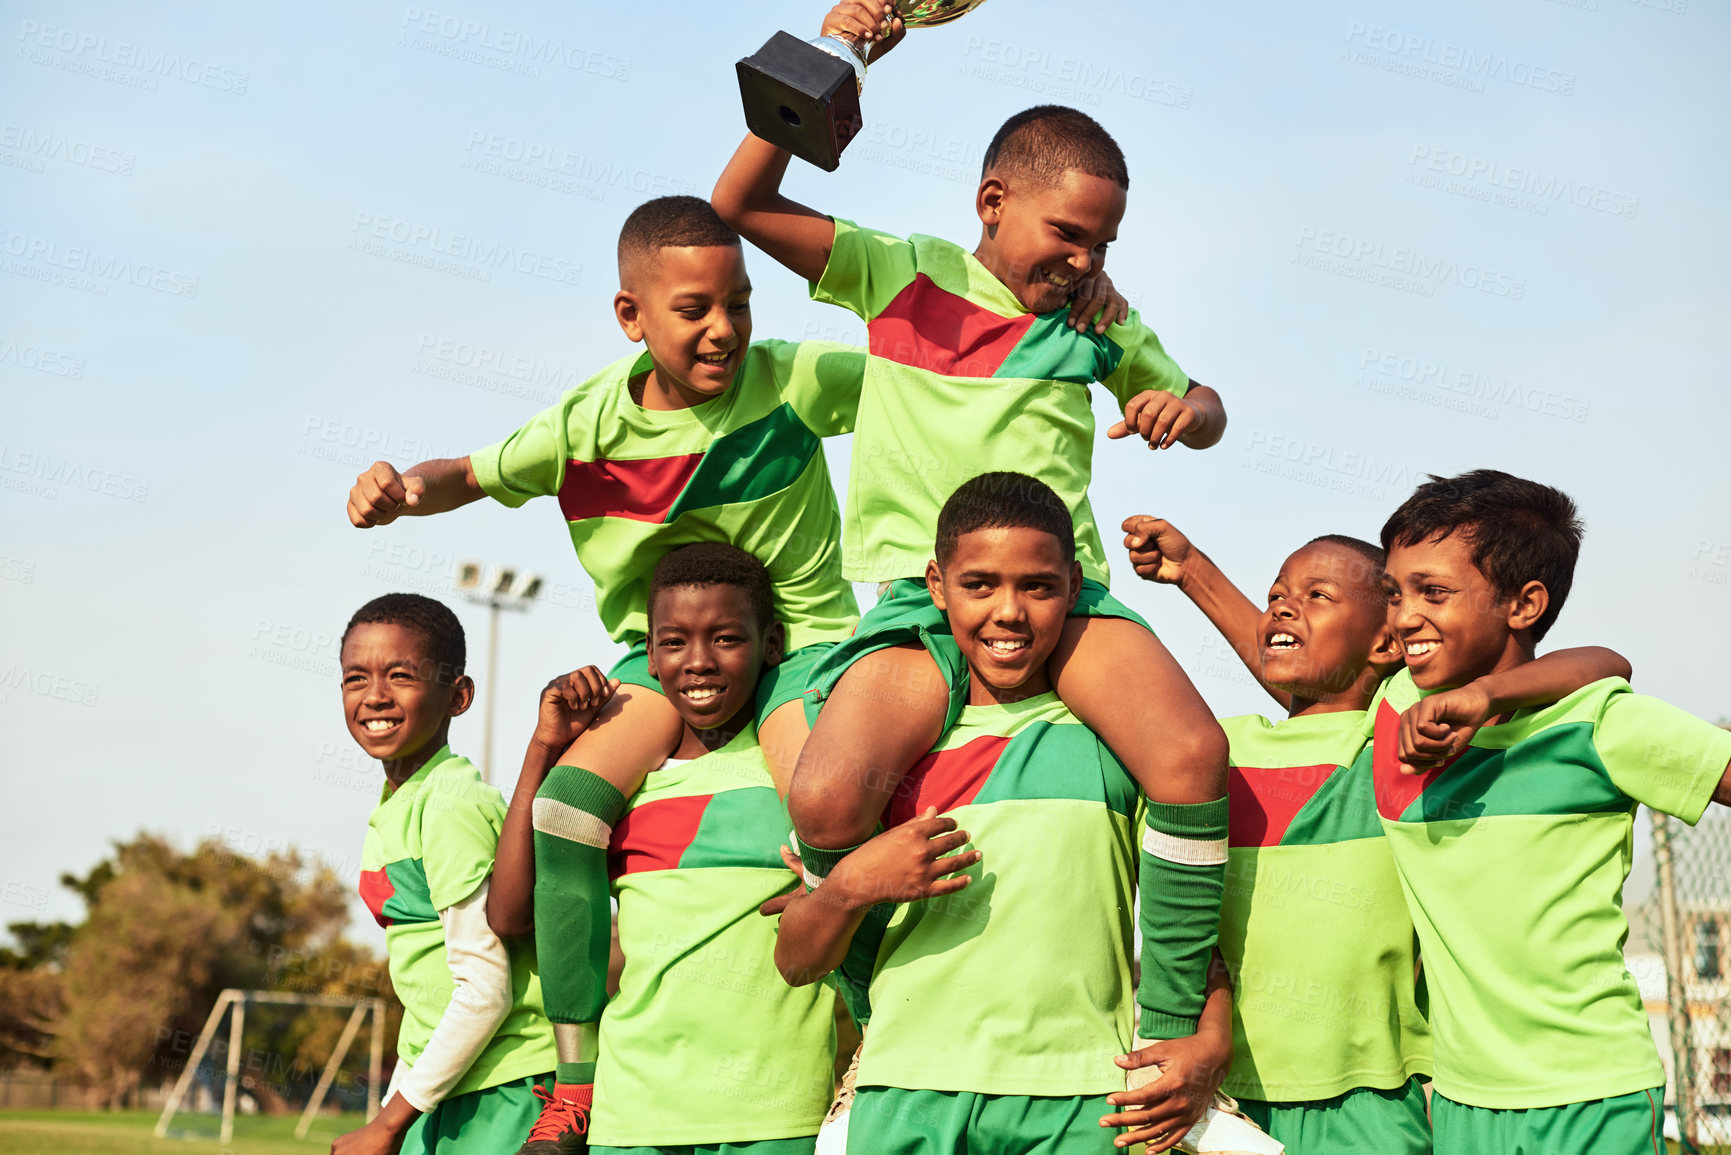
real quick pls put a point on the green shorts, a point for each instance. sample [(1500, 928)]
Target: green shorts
[(803, 1146), (1363, 1121), (482, 1122), (779, 685), (904, 614), (893, 1121), (1631, 1124)]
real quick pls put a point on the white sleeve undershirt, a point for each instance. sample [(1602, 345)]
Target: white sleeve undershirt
[(480, 1001)]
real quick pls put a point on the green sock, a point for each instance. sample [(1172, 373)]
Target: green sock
[(818, 862), (1182, 878), (574, 1074), (574, 813)]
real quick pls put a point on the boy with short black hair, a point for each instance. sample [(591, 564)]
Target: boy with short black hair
[(704, 1047), (1031, 948), (972, 368), (1513, 851), (703, 436), (1330, 1040), (474, 1048)]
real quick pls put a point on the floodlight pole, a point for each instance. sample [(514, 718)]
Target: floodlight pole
[(503, 590), (491, 691)]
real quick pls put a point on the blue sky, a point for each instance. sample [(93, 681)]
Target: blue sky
[(245, 250)]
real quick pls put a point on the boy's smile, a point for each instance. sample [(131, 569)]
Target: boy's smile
[(692, 307), (1006, 592), (396, 707), (707, 650), (1040, 240), (1321, 630), (1447, 614)]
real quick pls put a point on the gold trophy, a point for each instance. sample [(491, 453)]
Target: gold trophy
[(803, 95)]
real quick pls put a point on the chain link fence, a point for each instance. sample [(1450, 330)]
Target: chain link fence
[(1680, 953)]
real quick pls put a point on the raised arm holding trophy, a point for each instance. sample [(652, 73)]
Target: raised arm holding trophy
[(803, 95)]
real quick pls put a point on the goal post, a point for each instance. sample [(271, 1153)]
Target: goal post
[(233, 1002)]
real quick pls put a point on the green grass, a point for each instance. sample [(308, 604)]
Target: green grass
[(129, 1133)]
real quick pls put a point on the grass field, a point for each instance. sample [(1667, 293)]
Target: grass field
[(129, 1133)]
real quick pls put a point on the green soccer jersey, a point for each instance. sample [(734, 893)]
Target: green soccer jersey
[(1020, 983), (705, 1043), (962, 380), (1513, 859), (429, 844), (746, 468), (1314, 928)]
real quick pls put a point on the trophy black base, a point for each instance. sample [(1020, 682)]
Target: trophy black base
[(801, 98)]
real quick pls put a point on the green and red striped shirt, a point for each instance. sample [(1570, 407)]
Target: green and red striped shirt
[(704, 1043), (1314, 927), (962, 380), (1020, 983), (429, 845), (746, 468), (1513, 858)]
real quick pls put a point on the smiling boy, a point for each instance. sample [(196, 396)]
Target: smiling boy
[(474, 1049), (704, 1047), (971, 369), (1513, 851), (1002, 1000), (1330, 1039), (705, 435)]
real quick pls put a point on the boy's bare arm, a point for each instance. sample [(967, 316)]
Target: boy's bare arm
[(1440, 727), (748, 196), (568, 704), (1162, 554), (1210, 424), (905, 864), (381, 494)]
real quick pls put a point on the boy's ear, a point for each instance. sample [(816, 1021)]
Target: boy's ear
[(1075, 584), (989, 201), (1529, 605), (625, 310), (774, 644), (935, 584), (1386, 655), (462, 695)]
